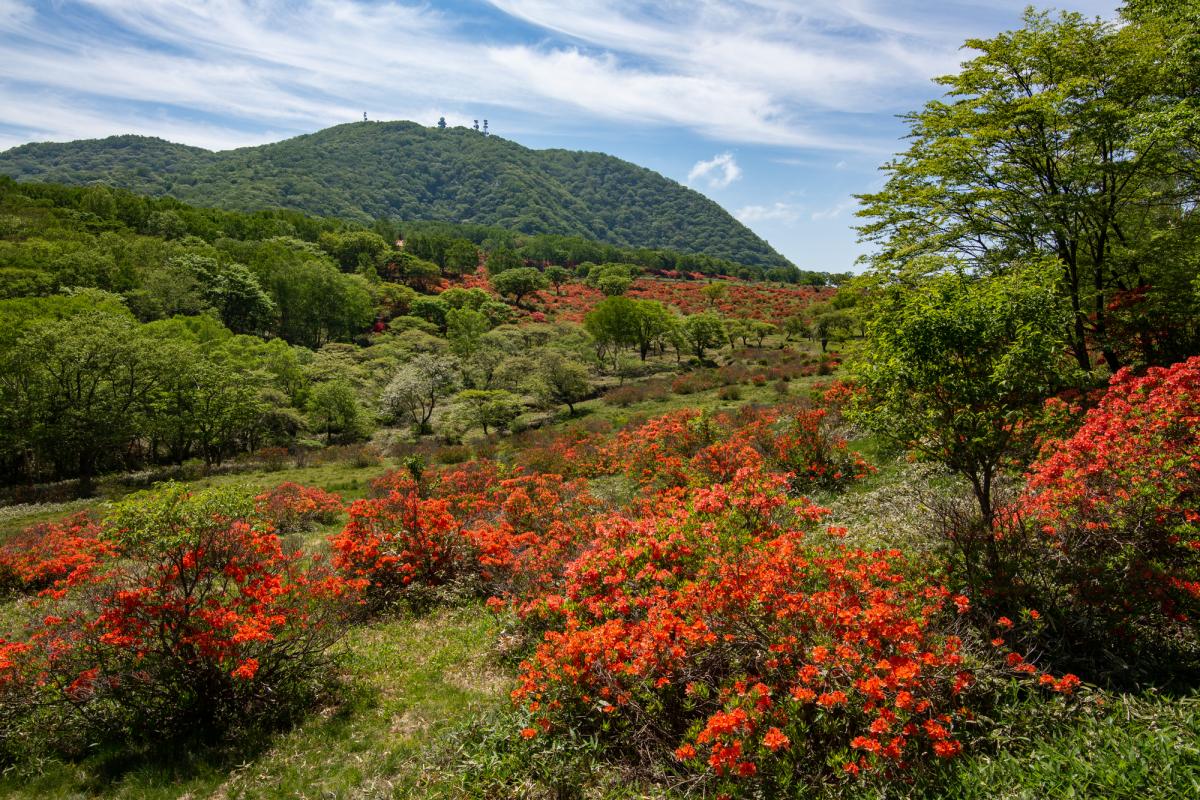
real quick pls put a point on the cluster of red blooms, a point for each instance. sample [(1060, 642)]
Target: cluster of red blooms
[(1117, 501), (52, 553), (791, 440), (1016, 662), (706, 613), (509, 530), (706, 619), (199, 620), (291, 507), (571, 301), (771, 303)]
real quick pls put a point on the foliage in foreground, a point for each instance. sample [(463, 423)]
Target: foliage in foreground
[(195, 624), (1118, 532)]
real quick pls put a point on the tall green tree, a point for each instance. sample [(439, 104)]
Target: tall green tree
[(462, 257), (1070, 138), (561, 379), (464, 328), (702, 332), (519, 282), (83, 386), (956, 365)]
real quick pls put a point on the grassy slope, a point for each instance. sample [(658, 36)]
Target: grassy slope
[(413, 681)]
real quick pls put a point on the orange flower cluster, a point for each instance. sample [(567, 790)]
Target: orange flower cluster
[(572, 301), (1116, 504), (192, 629), (510, 534), (769, 302), (703, 613), (708, 619), (52, 555)]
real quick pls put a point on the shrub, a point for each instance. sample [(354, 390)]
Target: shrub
[(733, 392), (453, 454), (273, 458), (291, 508), (1116, 506), (657, 389), (203, 626), (624, 396), (708, 633), (693, 382), (52, 553), (733, 373), (814, 456), (400, 540)]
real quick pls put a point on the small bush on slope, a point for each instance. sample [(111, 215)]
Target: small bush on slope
[(202, 626)]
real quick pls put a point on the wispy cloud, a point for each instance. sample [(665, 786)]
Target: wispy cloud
[(835, 211), (807, 83), (786, 213), (718, 172), (752, 71)]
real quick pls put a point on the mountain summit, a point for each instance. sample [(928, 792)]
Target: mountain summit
[(366, 170)]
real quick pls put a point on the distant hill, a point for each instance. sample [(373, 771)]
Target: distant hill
[(403, 170)]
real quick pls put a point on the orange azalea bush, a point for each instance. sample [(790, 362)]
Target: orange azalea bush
[(506, 534), (1116, 507), (291, 507), (708, 627), (52, 553), (400, 540), (203, 624)]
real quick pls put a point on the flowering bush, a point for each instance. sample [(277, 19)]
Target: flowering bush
[(741, 300), (52, 553), (400, 540), (291, 508), (814, 456), (542, 522), (204, 624), (1116, 506), (502, 534), (708, 628)]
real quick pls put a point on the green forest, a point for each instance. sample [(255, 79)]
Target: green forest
[(401, 170), (144, 331), (386, 505)]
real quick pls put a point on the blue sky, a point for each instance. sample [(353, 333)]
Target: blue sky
[(779, 110)]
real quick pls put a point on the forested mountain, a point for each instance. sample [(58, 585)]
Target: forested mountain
[(403, 170)]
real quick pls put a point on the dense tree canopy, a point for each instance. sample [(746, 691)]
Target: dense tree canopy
[(956, 366), (1070, 138), (401, 170)]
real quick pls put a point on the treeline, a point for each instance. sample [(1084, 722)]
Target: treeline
[(433, 240), (137, 331)]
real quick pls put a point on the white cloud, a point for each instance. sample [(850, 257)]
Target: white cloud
[(833, 212), (752, 71), (14, 15), (718, 172), (786, 213)]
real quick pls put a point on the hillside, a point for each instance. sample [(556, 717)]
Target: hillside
[(402, 170)]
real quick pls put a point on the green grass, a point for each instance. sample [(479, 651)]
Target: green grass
[(1141, 747)]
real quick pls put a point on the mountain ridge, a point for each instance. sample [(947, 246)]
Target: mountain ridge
[(403, 170)]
